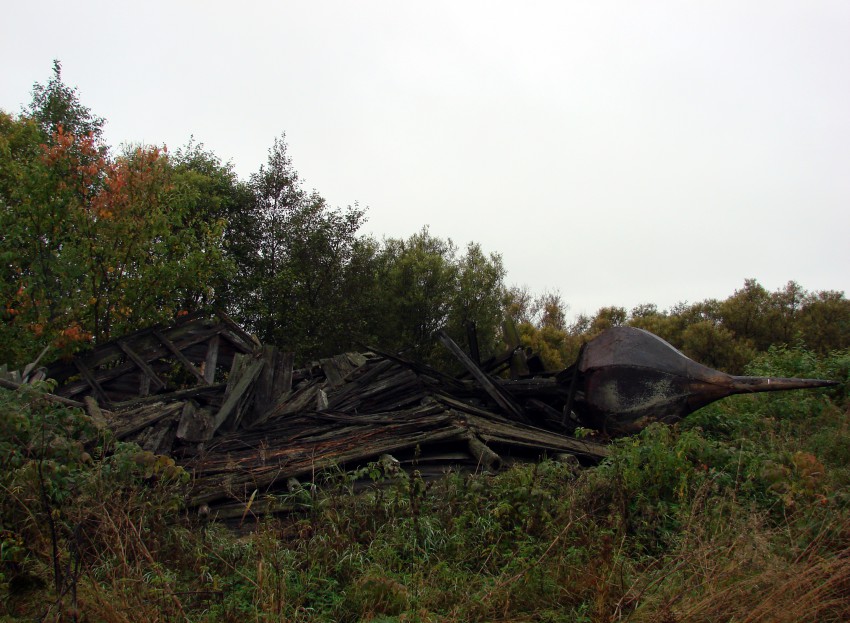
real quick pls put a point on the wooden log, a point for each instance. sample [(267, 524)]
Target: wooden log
[(486, 458), (94, 412), (8, 384)]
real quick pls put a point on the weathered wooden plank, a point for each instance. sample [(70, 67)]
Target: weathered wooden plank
[(243, 373), (264, 387), (305, 463), (321, 400), (283, 373), (130, 422), (211, 359), (160, 437), (298, 401), (355, 385), (486, 383), (195, 425), (235, 330), (180, 394), (332, 372)]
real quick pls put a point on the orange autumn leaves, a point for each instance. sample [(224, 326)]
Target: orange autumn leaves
[(94, 244)]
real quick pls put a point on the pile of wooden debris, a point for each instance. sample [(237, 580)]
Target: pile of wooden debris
[(242, 419)]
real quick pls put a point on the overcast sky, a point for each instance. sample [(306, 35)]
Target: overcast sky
[(617, 152)]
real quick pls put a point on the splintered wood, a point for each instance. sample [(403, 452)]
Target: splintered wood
[(243, 420)]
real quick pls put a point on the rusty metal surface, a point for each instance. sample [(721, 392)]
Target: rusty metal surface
[(629, 378)]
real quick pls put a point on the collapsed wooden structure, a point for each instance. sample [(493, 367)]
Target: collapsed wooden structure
[(244, 421)]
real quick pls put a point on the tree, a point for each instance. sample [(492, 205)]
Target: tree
[(825, 321), (607, 317), (298, 289), (744, 314), (418, 279), (56, 105), (211, 192), (716, 347), (785, 307), (478, 299), (93, 246)]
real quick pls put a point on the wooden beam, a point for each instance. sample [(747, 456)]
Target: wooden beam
[(180, 394), (486, 458), (89, 377), (486, 383), (211, 359), (157, 382), (180, 356), (472, 338)]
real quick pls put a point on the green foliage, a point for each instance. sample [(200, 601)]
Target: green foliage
[(304, 272), (65, 483), (84, 235), (425, 286), (56, 106)]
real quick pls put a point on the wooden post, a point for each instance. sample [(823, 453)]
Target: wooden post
[(211, 359)]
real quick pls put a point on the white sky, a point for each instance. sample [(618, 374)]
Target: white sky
[(619, 152)]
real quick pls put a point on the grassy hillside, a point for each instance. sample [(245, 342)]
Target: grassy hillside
[(741, 513)]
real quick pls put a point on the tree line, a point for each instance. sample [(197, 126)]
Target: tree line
[(97, 242)]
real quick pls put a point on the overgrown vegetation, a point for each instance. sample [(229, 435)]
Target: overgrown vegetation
[(741, 513)]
